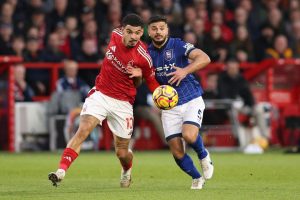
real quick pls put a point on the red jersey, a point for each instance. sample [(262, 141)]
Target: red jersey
[(113, 79)]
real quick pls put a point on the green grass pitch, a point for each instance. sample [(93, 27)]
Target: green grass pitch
[(273, 175)]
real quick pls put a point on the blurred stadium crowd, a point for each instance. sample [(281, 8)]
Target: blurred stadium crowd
[(229, 31), (53, 30)]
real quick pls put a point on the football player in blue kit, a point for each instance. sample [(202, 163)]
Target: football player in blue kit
[(175, 61)]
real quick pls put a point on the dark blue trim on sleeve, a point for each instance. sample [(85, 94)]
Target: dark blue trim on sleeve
[(187, 54)]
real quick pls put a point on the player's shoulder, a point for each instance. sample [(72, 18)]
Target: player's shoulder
[(177, 41), (183, 45), (174, 42), (117, 32), (143, 45)]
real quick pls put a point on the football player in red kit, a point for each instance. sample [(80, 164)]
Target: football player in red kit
[(125, 61)]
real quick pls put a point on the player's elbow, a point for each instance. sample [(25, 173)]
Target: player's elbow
[(203, 58), (203, 61), (206, 59)]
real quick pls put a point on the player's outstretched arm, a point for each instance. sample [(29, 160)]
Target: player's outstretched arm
[(199, 60)]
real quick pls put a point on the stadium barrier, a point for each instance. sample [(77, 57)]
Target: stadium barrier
[(274, 81), (7, 102)]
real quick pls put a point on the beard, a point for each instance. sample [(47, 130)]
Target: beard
[(130, 45), (159, 43)]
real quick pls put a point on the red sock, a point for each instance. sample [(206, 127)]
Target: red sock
[(68, 156), (126, 166)]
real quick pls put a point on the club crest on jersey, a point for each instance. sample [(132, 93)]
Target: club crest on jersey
[(130, 63), (168, 54)]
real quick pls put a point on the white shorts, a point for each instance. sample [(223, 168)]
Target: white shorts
[(188, 113), (119, 113)]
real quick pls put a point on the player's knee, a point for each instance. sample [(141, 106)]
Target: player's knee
[(121, 153), (190, 137), (178, 154), (190, 133)]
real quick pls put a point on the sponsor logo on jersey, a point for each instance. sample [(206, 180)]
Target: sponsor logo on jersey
[(115, 61), (109, 55), (113, 48), (162, 71), (165, 67), (168, 54)]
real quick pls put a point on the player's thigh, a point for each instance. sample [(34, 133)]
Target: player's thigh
[(120, 119), (172, 122), (86, 125), (96, 105), (176, 146), (193, 113)]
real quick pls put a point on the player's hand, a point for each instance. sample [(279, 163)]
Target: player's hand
[(134, 71), (177, 75)]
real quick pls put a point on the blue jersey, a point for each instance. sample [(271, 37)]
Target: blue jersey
[(175, 53)]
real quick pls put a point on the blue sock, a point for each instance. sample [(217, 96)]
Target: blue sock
[(198, 146), (187, 165)]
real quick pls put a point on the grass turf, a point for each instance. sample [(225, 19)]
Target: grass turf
[(273, 175)]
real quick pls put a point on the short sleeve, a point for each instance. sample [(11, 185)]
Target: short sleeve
[(184, 48)]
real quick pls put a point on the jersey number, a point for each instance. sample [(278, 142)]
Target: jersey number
[(199, 114), (129, 121)]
